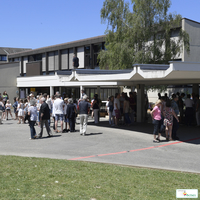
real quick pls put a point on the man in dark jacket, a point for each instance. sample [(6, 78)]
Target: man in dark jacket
[(44, 115), (71, 115)]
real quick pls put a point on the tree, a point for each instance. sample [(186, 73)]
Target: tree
[(141, 35)]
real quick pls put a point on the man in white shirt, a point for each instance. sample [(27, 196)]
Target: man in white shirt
[(59, 111)]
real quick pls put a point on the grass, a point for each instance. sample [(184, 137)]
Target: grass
[(41, 178)]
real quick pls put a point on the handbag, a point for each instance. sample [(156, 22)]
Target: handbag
[(27, 117), (117, 114)]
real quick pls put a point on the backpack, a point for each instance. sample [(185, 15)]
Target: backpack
[(110, 107)]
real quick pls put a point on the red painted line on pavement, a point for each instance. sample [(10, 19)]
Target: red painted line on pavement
[(152, 147)]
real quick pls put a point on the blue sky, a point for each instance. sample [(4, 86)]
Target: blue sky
[(40, 23)]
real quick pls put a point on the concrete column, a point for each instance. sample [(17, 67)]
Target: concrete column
[(47, 63), (26, 93), (60, 90), (91, 56), (22, 66), (98, 91), (195, 88), (140, 103), (51, 91), (59, 59), (81, 88), (121, 89)]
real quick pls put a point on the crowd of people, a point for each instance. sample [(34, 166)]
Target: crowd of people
[(38, 111), (122, 108), (168, 113)]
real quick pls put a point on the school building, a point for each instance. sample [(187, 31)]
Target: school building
[(50, 69)]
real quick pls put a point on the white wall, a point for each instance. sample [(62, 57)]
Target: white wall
[(56, 60), (25, 60), (80, 55), (64, 59), (43, 62), (8, 82), (193, 29), (71, 53), (51, 61)]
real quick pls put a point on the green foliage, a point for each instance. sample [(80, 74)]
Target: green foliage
[(142, 35), (159, 88)]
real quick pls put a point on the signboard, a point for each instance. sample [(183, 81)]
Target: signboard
[(32, 89)]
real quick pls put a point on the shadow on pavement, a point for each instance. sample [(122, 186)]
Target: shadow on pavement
[(46, 137), (187, 134), (90, 134)]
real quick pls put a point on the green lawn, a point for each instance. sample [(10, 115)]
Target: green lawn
[(39, 178)]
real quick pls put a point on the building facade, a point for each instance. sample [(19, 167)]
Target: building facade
[(43, 69), (5, 51)]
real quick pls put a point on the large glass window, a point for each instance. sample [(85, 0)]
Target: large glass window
[(87, 56), (3, 58), (87, 60), (97, 48), (37, 57), (87, 50), (96, 62)]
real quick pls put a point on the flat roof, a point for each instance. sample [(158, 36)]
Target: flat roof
[(62, 46)]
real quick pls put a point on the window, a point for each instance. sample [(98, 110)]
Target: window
[(97, 48), (96, 62), (3, 58), (87, 50), (37, 57)]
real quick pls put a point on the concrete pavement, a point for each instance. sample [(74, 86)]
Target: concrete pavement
[(122, 145)]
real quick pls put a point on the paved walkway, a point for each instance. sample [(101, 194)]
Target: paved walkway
[(123, 145)]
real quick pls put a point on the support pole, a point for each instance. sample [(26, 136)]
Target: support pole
[(81, 88), (51, 91), (140, 103), (98, 91), (195, 88)]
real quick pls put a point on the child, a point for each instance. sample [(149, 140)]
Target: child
[(8, 108), (20, 109)]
